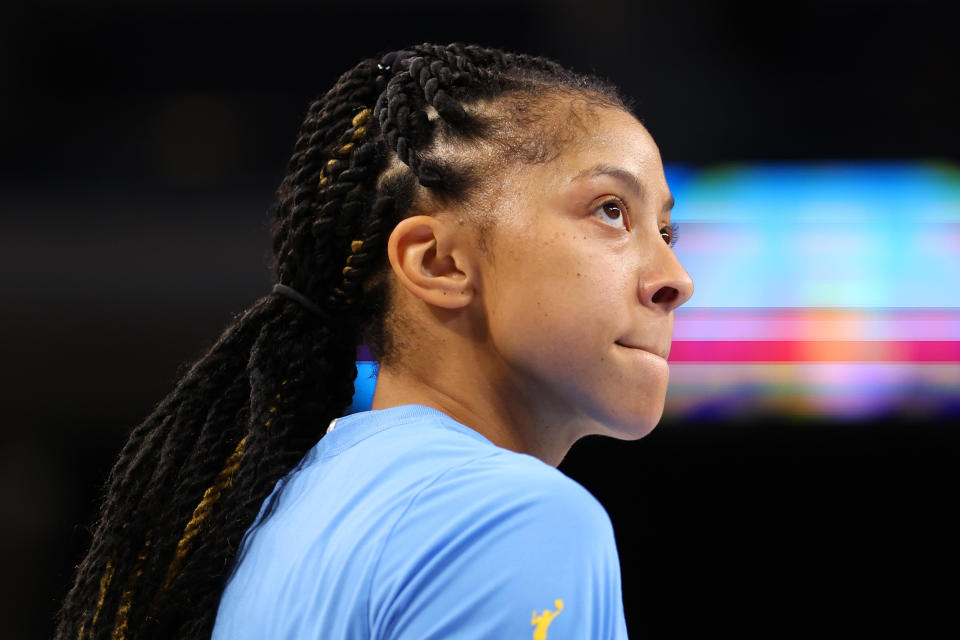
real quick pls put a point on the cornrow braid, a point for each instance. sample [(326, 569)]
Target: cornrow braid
[(192, 477)]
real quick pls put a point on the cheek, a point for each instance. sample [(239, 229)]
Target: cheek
[(559, 311)]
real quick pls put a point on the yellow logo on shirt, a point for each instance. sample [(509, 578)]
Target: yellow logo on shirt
[(542, 621)]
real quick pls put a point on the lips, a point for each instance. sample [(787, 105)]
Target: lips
[(663, 353)]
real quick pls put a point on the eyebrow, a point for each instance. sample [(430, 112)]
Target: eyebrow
[(623, 176)]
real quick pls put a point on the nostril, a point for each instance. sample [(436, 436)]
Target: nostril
[(665, 295)]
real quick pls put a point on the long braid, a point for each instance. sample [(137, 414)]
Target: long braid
[(302, 346), (276, 445), (117, 522), (193, 476)]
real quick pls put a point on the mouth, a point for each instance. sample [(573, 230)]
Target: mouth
[(660, 353)]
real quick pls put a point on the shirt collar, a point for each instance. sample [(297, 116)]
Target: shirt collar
[(346, 431)]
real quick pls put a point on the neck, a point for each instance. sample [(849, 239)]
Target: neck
[(488, 409)]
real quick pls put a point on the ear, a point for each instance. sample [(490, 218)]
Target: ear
[(430, 259)]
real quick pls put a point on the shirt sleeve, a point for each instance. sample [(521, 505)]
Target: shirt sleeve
[(499, 551)]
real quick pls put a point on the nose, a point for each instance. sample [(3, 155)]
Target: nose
[(669, 284)]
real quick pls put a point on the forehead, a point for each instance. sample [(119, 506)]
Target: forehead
[(603, 136), (614, 138)]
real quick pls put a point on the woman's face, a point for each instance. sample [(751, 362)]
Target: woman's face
[(581, 282)]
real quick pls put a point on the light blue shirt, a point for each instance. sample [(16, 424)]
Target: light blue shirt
[(403, 524)]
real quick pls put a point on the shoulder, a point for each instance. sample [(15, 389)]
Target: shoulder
[(446, 475), (506, 488), (506, 509), (490, 540), (513, 485)]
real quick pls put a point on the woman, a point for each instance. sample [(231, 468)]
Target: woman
[(496, 229)]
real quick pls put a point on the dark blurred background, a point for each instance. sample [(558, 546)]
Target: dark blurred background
[(140, 147)]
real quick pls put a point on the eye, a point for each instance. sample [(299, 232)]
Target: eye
[(670, 234), (613, 212)]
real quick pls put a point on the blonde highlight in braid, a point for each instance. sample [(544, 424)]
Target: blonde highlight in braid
[(210, 497), (126, 598), (104, 584), (203, 510)]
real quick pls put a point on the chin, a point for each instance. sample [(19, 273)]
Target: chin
[(637, 405), (633, 423), (636, 430)]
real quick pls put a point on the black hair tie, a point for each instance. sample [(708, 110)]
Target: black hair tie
[(296, 296), (391, 59)]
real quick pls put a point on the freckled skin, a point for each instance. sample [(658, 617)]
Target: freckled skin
[(529, 347)]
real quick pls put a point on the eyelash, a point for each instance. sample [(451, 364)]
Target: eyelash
[(671, 232), (673, 235)]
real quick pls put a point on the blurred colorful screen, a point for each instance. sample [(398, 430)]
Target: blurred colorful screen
[(824, 290)]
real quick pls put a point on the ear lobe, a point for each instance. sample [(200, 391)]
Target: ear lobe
[(424, 256)]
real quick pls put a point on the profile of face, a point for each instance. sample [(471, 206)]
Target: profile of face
[(570, 312), (583, 282)]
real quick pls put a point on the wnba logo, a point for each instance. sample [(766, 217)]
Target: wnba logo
[(542, 621)]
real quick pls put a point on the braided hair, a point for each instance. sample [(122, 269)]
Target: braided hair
[(193, 476)]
